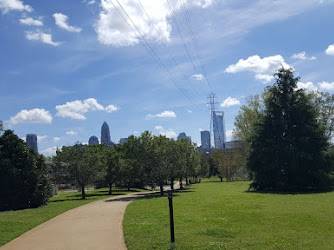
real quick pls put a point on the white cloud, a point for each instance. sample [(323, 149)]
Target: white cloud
[(111, 108), (230, 101), (302, 56), (164, 114), (229, 135), (77, 108), (330, 50), (189, 111), (308, 86), (256, 64), (41, 137), (136, 132), (200, 129), (9, 5), (264, 78), (31, 22), (169, 133), (55, 139), (197, 77), (71, 133), (203, 3), (61, 21), (112, 30), (49, 151), (328, 86), (40, 36), (32, 116)]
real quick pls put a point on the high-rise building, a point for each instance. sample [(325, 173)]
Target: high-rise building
[(31, 140), (183, 136), (219, 129), (205, 140), (105, 135), (123, 140), (93, 140)]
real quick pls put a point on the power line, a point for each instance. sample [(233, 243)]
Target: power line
[(186, 16), (151, 51), (168, 50), (184, 44)]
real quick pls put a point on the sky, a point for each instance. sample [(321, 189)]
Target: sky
[(68, 66)]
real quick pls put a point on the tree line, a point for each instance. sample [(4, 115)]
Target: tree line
[(146, 160)]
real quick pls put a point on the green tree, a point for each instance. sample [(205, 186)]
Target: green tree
[(113, 166), (287, 145), (81, 162), (1, 126), (23, 175)]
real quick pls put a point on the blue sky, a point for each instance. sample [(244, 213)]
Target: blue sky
[(67, 66)]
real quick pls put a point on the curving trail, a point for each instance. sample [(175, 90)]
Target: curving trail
[(97, 225)]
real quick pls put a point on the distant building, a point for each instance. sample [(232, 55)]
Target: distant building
[(219, 129), (205, 140), (93, 140), (31, 140), (183, 136), (123, 140), (105, 135)]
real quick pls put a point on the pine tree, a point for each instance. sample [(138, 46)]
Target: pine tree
[(287, 147)]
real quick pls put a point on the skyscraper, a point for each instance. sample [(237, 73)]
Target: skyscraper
[(105, 135), (93, 140), (205, 140), (183, 136), (219, 129), (31, 140)]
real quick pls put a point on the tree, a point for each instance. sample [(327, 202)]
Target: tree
[(23, 175), (288, 144), (113, 166), (229, 162), (1, 126), (81, 162)]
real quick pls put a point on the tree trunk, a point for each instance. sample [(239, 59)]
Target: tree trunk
[(110, 185), (186, 181), (128, 186), (83, 194), (161, 190), (181, 184), (172, 184), (221, 179)]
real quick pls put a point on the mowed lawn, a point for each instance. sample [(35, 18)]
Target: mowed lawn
[(14, 223), (215, 215)]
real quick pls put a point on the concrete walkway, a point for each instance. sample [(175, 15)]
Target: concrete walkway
[(97, 225)]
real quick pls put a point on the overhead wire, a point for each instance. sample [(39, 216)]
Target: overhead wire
[(168, 50), (186, 16), (149, 48)]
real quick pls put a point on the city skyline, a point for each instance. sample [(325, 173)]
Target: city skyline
[(67, 66)]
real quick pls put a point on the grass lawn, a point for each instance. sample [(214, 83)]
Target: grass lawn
[(15, 223), (215, 215)]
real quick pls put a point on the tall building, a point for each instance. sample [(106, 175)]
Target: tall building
[(105, 135), (205, 140), (183, 136), (93, 140), (31, 140), (123, 140), (218, 129)]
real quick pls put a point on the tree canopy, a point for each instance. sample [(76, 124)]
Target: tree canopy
[(23, 175), (288, 142)]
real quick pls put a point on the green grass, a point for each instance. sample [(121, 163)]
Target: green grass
[(15, 223), (214, 215)]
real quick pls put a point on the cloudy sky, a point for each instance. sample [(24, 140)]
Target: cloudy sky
[(67, 66)]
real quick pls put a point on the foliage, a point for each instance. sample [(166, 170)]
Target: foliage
[(82, 163), (287, 145), (141, 161), (1, 126), (228, 162), (216, 215), (23, 175)]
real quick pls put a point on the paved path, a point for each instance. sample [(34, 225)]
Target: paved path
[(97, 225)]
